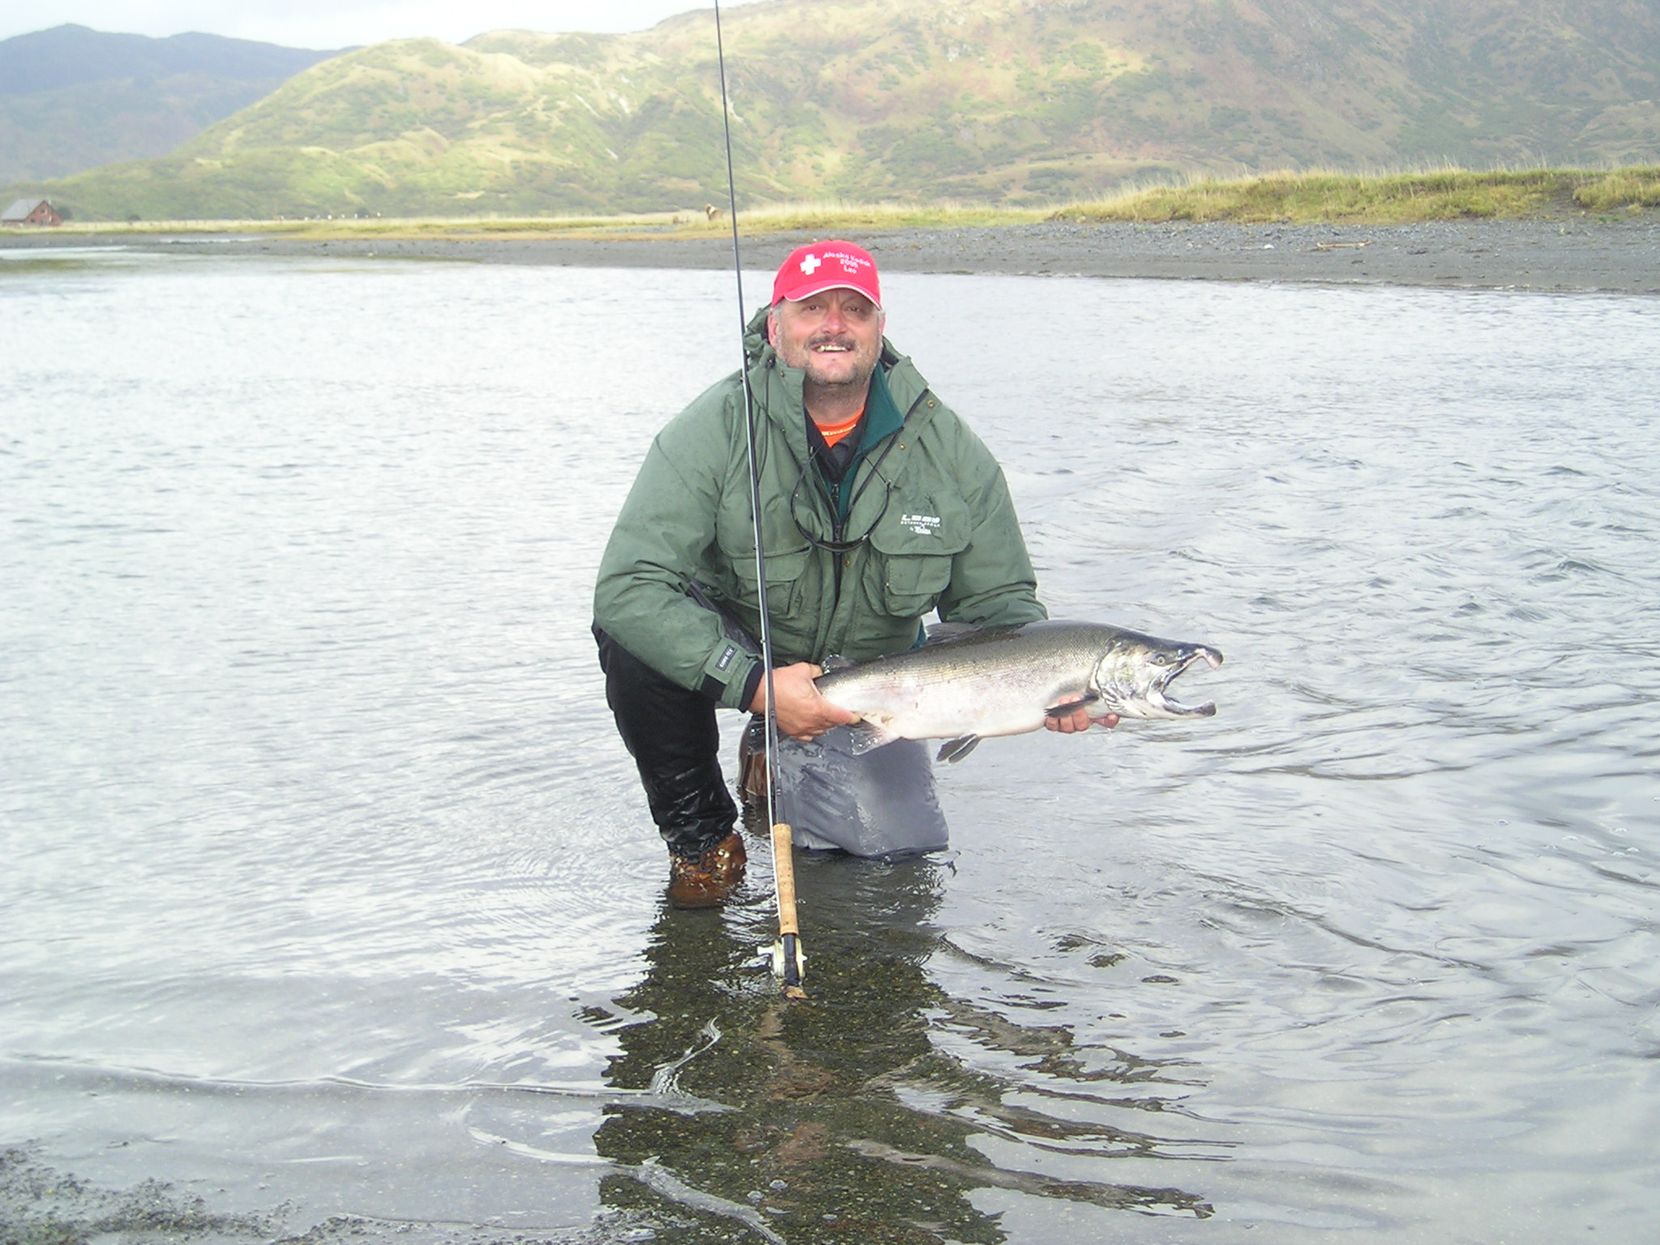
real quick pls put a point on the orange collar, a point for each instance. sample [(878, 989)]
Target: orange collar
[(833, 433)]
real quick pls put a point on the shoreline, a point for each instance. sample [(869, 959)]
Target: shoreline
[(1562, 256)]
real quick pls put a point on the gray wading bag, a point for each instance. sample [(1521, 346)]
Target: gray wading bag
[(879, 804)]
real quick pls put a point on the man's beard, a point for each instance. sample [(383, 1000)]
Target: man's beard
[(859, 378)]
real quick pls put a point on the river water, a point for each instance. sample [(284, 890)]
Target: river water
[(329, 899)]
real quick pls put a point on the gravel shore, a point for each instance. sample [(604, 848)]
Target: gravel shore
[(1556, 256)]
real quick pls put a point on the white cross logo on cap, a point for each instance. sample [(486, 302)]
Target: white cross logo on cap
[(810, 265)]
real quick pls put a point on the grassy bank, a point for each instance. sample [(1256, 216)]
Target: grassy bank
[(775, 218), (1298, 198), (1391, 199)]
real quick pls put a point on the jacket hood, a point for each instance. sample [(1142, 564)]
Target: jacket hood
[(755, 336)]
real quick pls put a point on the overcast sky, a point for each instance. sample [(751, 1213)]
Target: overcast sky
[(341, 23)]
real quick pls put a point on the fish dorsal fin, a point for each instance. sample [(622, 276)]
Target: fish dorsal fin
[(836, 662), (942, 633), (956, 749)]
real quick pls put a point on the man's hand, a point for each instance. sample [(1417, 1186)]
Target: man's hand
[(1078, 720), (802, 712)]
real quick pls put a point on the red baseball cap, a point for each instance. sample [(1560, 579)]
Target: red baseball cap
[(821, 266)]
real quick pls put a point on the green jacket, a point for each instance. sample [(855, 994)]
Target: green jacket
[(942, 531)]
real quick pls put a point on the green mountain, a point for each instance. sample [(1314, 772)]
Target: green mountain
[(1018, 101), (73, 98)]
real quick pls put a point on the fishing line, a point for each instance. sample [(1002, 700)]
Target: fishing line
[(749, 424), (787, 954)]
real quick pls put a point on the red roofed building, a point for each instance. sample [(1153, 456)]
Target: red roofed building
[(31, 212)]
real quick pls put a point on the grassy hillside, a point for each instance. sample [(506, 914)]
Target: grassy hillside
[(73, 98), (1020, 102)]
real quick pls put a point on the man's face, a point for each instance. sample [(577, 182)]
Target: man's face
[(835, 337)]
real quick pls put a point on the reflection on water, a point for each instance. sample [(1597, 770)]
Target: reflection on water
[(845, 1121), (328, 891)]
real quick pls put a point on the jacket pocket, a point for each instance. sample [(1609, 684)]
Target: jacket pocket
[(915, 543), (784, 573)]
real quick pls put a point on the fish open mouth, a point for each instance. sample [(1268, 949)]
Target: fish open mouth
[(1158, 695)]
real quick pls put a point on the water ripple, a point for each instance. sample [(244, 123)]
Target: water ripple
[(323, 860)]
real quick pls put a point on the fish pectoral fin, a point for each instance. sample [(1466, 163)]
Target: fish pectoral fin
[(1066, 707), (956, 749), (866, 736)]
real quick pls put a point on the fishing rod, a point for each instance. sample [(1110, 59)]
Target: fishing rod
[(788, 961)]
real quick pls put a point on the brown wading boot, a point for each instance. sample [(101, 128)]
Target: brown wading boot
[(708, 879)]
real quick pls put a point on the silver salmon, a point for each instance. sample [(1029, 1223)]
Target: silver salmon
[(1008, 680)]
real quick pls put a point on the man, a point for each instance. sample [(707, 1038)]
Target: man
[(877, 506)]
